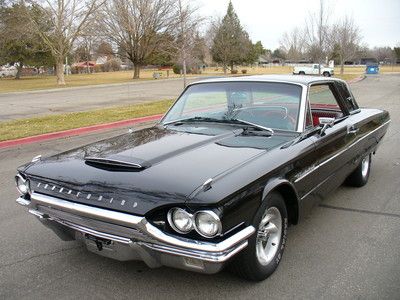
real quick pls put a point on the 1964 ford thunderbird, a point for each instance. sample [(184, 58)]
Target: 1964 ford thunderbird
[(217, 181)]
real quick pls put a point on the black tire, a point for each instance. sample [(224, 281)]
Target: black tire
[(326, 74), (247, 264), (360, 176), (302, 73)]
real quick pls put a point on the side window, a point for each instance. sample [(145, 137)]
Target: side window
[(348, 98), (323, 102)]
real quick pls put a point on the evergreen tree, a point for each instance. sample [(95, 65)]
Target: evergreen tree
[(19, 44), (257, 50), (231, 44)]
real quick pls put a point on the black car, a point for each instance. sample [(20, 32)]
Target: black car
[(217, 181)]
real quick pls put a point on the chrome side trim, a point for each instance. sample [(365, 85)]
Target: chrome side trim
[(141, 224), (339, 153)]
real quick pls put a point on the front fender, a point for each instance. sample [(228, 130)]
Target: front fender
[(289, 194)]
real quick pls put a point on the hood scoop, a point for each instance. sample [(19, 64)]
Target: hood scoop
[(117, 162)]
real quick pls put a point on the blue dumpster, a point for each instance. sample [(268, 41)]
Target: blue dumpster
[(372, 69)]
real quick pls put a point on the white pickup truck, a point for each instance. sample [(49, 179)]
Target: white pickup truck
[(313, 70), (8, 72)]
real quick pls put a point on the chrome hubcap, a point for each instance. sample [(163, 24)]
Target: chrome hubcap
[(365, 166), (269, 235)]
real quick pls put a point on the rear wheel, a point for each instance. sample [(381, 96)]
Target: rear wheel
[(302, 73), (265, 249), (327, 74), (360, 176)]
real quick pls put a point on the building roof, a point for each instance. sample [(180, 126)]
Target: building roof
[(296, 79)]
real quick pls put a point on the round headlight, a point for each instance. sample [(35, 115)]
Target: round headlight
[(22, 185), (208, 224), (180, 220)]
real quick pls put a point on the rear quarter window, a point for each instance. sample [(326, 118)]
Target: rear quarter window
[(348, 98)]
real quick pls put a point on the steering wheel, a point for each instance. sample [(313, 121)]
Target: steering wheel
[(277, 112)]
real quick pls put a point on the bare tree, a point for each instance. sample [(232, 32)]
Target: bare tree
[(138, 27), (383, 54), (87, 42), (187, 35), (68, 19), (316, 34), (293, 44), (346, 38)]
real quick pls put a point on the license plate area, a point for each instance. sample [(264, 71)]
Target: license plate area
[(100, 242)]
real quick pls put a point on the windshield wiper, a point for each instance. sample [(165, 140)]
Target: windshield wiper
[(225, 121), (260, 127), (195, 119)]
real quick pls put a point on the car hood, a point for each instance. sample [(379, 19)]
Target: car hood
[(139, 171)]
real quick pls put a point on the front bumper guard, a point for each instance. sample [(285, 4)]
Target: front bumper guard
[(153, 245)]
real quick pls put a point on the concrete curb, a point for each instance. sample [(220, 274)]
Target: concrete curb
[(76, 131)]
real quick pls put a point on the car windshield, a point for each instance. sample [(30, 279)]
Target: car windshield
[(267, 104)]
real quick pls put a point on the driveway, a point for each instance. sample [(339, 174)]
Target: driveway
[(348, 247)]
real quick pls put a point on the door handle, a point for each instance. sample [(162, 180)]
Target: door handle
[(352, 130)]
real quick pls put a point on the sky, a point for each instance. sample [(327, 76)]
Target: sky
[(266, 20)]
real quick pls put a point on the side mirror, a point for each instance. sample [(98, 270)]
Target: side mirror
[(326, 123)]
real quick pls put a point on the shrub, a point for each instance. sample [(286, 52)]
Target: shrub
[(176, 69), (234, 71), (111, 65), (98, 68), (244, 71)]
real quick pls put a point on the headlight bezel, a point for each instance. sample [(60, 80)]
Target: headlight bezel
[(194, 222), (172, 223), (25, 182), (216, 219)]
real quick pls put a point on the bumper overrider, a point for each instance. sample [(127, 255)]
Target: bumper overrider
[(124, 236)]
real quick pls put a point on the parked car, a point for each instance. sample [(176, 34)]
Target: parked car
[(8, 72), (314, 69), (217, 181)]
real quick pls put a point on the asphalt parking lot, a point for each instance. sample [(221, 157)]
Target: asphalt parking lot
[(348, 247)]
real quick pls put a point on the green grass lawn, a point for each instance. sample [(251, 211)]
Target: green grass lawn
[(53, 123)]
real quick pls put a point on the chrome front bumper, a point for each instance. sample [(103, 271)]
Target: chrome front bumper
[(131, 237)]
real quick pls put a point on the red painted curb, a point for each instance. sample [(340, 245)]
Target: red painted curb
[(76, 131), (355, 80)]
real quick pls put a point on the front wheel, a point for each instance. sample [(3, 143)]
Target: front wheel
[(265, 249), (360, 176)]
